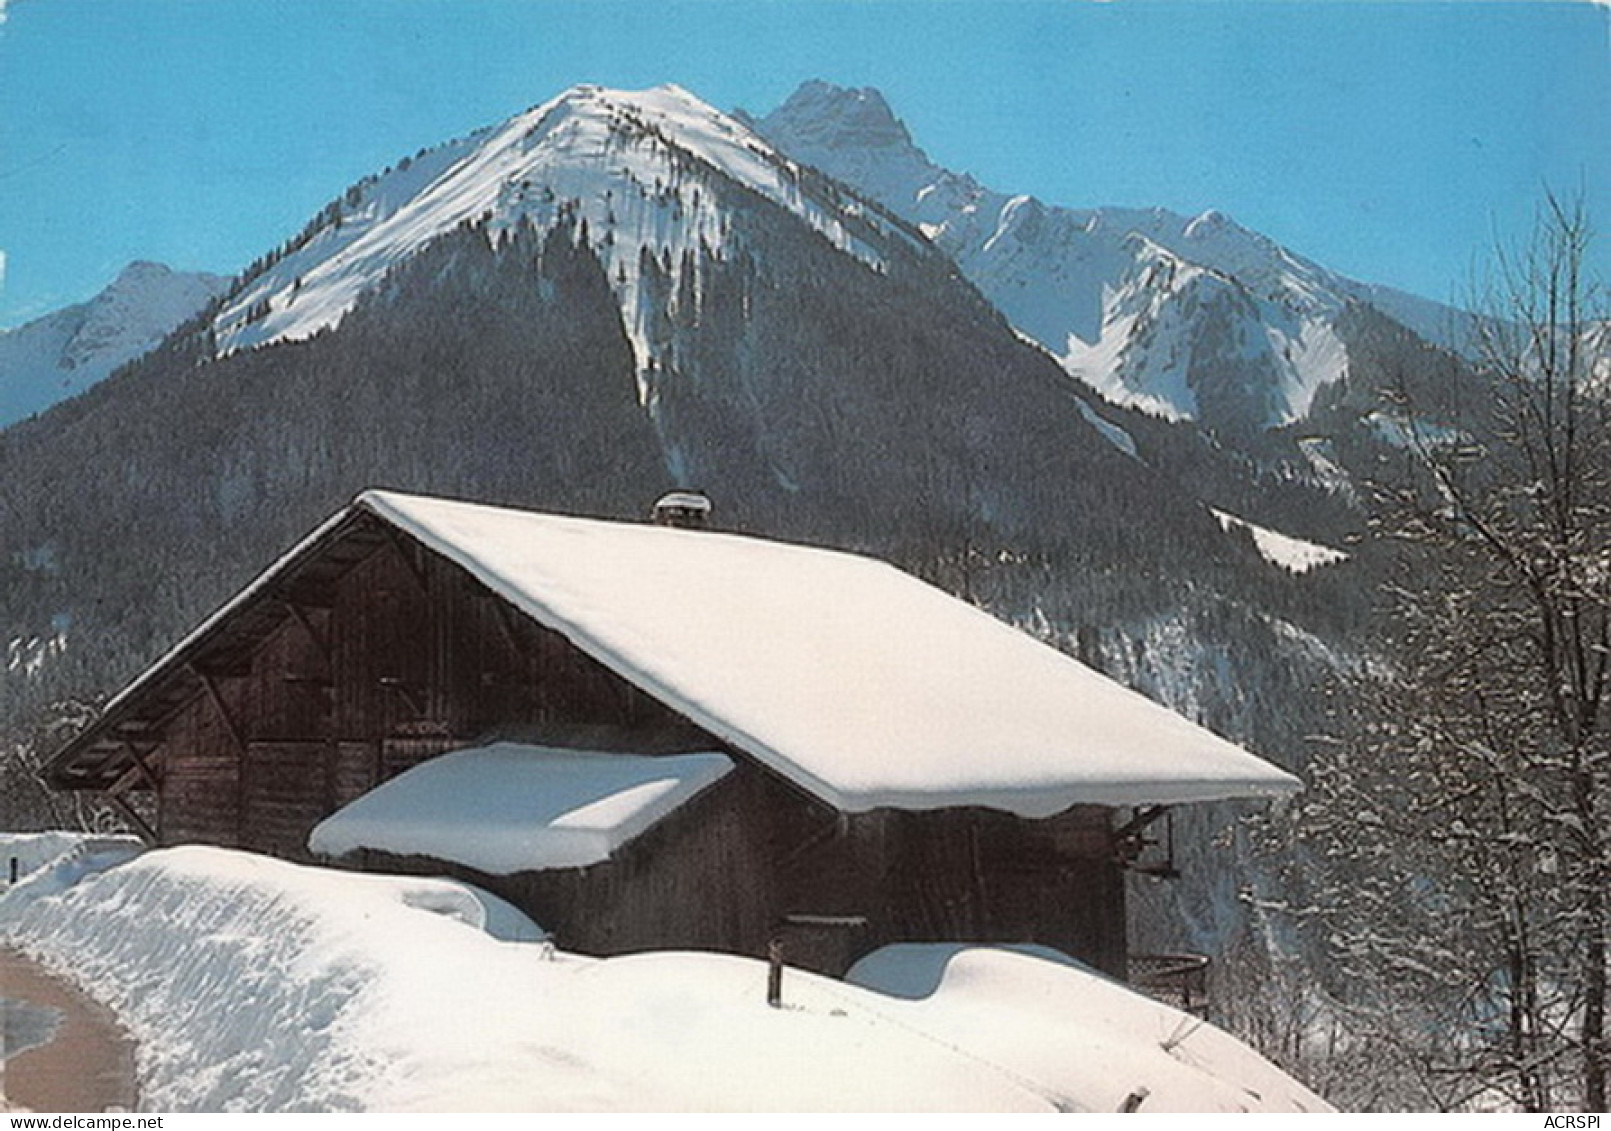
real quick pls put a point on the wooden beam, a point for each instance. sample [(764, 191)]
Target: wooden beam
[(159, 724), (1142, 819), (411, 696), (300, 615), (138, 769), (144, 831), (810, 843), (211, 687), (405, 550), (239, 739), (1129, 843), (502, 615), (123, 782)]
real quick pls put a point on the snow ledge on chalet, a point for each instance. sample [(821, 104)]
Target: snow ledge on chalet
[(509, 808)]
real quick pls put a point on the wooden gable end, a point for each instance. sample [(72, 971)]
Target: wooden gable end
[(365, 672)]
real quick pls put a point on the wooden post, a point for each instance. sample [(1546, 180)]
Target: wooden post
[(14, 871), (774, 973)]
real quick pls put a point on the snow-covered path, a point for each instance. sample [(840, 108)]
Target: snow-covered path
[(86, 1062)]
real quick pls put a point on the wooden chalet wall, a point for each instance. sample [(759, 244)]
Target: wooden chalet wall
[(399, 658), (751, 859), (965, 875), (389, 654), (699, 879), (245, 763)]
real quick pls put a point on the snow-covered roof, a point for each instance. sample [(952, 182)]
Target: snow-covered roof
[(508, 808), (862, 684)]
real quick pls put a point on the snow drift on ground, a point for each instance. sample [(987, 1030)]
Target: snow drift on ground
[(1051, 1018), (33, 851), (253, 984)]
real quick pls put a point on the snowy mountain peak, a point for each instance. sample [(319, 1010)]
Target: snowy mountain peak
[(636, 167), (142, 304), (141, 272), (834, 117), (854, 136), (65, 352), (1211, 224), (1188, 341)]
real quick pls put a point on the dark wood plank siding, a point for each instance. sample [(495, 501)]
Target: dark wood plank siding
[(981, 875), (247, 762), (200, 793), (395, 655), (354, 771), (403, 656), (285, 791), (380, 648), (496, 669), (699, 879), (200, 768), (968, 875), (287, 696)]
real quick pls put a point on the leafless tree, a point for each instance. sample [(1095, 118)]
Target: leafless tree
[(1471, 811)]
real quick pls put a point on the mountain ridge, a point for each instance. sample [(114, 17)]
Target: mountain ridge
[(578, 150), (66, 351), (1069, 277)]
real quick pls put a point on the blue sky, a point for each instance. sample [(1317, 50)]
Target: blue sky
[(1393, 141)]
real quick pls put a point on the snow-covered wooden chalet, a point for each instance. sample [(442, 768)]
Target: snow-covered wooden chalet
[(650, 737)]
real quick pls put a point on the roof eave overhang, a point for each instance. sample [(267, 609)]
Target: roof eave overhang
[(105, 751)]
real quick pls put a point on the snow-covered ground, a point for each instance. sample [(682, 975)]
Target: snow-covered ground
[(59, 851), (1293, 554), (254, 984)]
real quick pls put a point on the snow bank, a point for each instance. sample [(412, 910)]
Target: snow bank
[(511, 808), (247, 981), (253, 984), (64, 856), (1052, 1018)]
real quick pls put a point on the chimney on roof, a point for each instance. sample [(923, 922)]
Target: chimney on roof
[(689, 510)]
